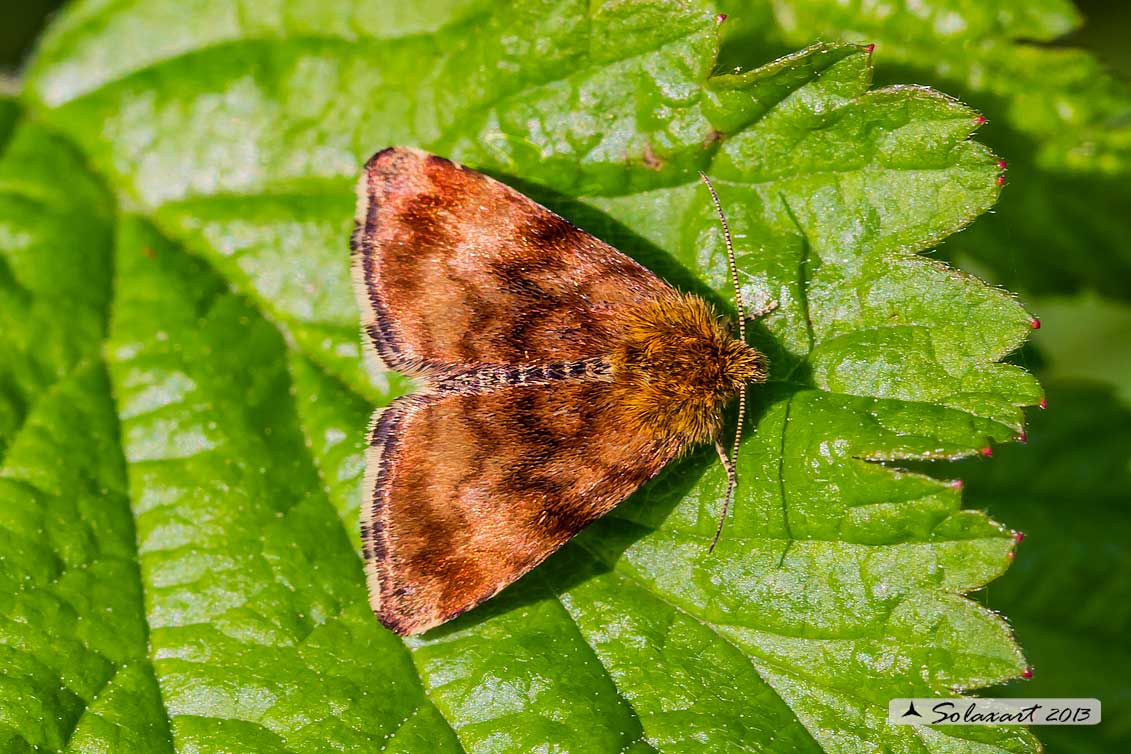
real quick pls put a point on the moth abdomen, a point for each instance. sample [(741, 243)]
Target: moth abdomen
[(485, 377)]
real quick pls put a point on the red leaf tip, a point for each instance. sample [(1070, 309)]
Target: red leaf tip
[(1018, 536), (1044, 403), (1027, 673), (979, 120), (987, 451), (1022, 436), (1035, 323), (1002, 164), (720, 18), (870, 48), (1001, 180), (957, 484)]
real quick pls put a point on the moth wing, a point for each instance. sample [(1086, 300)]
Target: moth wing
[(467, 492), (453, 267)]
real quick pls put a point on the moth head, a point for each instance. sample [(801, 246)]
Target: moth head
[(740, 364)]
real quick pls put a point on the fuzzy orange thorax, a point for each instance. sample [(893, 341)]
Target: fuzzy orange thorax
[(676, 366)]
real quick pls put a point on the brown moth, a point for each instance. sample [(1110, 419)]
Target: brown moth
[(555, 374)]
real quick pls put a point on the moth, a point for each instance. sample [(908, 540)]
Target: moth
[(555, 375)]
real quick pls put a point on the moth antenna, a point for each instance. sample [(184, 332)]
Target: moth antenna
[(732, 481), (738, 302), (740, 305)]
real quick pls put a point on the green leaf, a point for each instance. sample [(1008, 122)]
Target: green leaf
[(230, 143), (1068, 596), (1062, 120)]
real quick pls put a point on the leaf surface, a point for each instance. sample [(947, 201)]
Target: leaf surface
[(232, 355), (73, 633), (1059, 117)]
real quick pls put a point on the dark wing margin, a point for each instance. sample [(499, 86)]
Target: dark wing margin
[(465, 493), (452, 267)]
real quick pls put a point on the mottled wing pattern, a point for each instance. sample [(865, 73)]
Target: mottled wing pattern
[(455, 268), (471, 491)]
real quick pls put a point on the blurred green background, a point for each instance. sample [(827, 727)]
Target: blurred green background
[(1069, 594), (22, 23), (1105, 32)]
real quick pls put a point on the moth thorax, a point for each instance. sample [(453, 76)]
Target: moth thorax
[(679, 366)]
